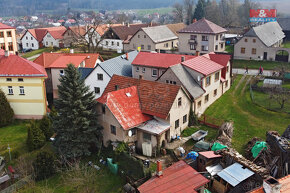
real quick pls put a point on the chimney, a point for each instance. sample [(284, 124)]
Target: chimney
[(197, 53), (127, 56), (71, 51), (182, 58), (123, 23), (271, 185), (194, 20), (128, 24), (6, 53), (159, 169)]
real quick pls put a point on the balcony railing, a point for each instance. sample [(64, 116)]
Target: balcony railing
[(192, 41)]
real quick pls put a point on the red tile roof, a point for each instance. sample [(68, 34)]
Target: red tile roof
[(285, 181), (203, 26), (39, 33), (258, 190), (125, 106), (222, 59), (179, 177), (156, 98), (203, 65), (209, 154), (14, 65), (159, 59), (3, 26), (61, 60)]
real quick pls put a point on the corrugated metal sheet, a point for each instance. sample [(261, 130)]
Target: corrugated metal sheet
[(154, 126), (235, 174), (160, 33), (214, 169)]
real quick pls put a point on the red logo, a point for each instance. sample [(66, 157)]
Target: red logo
[(263, 13)]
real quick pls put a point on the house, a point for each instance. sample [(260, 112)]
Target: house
[(176, 27), (42, 37), (73, 34), (8, 38), (117, 36), (202, 37), (55, 63), (100, 76), (147, 113), (23, 83), (150, 66), (180, 177), (205, 78), (156, 38), (285, 25), (262, 42)]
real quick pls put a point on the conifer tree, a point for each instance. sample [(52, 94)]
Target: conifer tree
[(46, 127), (76, 123), (6, 112), (35, 136), (199, 11)]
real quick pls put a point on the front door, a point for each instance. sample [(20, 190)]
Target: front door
[(265, 56)]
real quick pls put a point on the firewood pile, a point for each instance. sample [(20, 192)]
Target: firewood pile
[(226, 133)]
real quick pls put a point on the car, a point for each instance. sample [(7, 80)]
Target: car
[(26, 50)]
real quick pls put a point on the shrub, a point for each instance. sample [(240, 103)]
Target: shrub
[(35, 136), (46, 127), (44, 165), (7, 113)]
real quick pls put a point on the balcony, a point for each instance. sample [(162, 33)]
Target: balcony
[(192, 42)]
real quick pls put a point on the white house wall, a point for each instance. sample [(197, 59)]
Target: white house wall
[(29, 42), (49, 41), (112, 44)]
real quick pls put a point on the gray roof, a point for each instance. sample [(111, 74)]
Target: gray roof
[(269, 33), (284, 23), (119, 65), (187, 80), (235, 174), (159, 33)]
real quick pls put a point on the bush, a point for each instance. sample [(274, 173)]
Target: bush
[(44, 165), (35, 136), (7, 113), (46, 127)]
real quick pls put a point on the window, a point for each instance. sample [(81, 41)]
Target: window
[(217, 76), (100, 77), (10, 90), (61, 72), (154, 72), (107, 43), (246, 39), (144, 36), (138, 36), (221, 36), (243, 50), (134, 131), (142, 47), (166, 45), (204, 38), (193, 37), (184, 118), (254, 40), (143, 70), (21, 90), (20, 79), (204, 48), (97, 90), (146, 137), (32, 45), (10, 46), (254, 50), (48, 35), (192, 46), (116, 87), (137, 69), (46, 43), (31, 38), (177, 123), (9, 34), (149, 47), (113, 129), (1, 34), (199, 104), (26, 44), (206, 98), (9, 79), (118, 43), (216, 37), (2, 46), (26, 37), (227, 68), (179, 102), (112, 43), (222, 45), (208, 81), (167, 81), (215, 92), (216, 47)]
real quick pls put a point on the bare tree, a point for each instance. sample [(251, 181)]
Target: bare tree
[(188, 7), (212, 12), (280, 95), (178, 12)]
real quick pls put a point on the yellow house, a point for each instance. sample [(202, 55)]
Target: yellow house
[(23, 83), (8, 38)]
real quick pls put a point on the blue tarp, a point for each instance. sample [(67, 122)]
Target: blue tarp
[(192, 155)]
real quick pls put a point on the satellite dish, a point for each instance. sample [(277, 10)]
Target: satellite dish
[(130, 133)]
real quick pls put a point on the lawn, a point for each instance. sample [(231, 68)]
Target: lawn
[(286, 45), (253, 64), (230, 49), (249, 119), (35, 52)]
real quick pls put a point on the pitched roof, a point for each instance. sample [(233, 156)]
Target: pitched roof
[(221, 59), (125, 106), (187, 80), (85, 72), (285, 181), (284, 23), (179, 177), (159, 59), (60, 60), (203, 65), (175, 27), (3, 26), (39, 33), (57, 32), (159, 33), (203, 26), (269, 33), (209, 154), (119, 65), (77, 30), (156, 98), (14, 65)]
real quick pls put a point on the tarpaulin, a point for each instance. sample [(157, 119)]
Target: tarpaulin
[(217, 146), (259, 145)]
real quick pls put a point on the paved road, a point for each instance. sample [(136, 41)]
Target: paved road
[(33, 57), (252, 71)]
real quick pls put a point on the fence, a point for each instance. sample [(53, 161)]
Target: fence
[(210, 121)]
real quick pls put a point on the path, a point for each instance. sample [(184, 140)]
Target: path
[(252, 71), (240, 82), (177, 143), (33, 57)]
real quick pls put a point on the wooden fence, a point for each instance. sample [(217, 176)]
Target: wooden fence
[(210, 121)]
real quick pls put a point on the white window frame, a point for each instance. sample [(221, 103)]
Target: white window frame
[(21, 90), (137, 69), (154, 70), (10, 90)]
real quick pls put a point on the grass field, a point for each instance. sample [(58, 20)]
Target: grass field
[(35, 52), (253, 64), (286, 45), (249, 119), (230, 49)]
